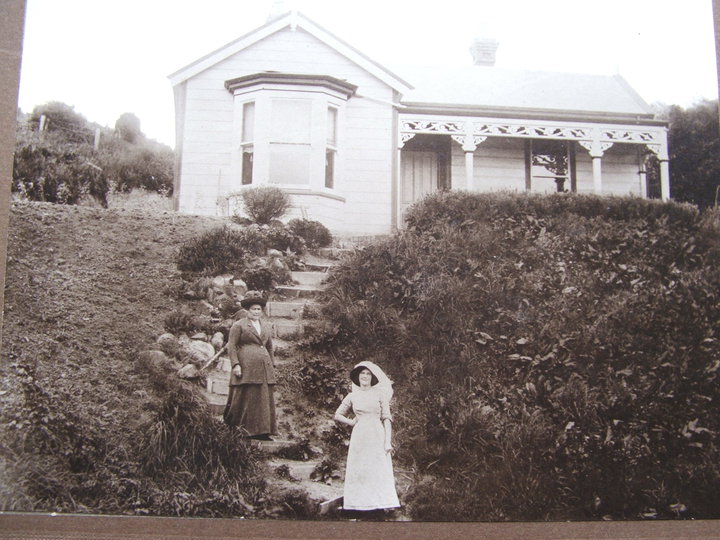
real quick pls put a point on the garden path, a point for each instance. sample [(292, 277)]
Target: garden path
[(288, 310)]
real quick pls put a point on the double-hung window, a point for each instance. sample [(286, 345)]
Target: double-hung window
[(288, 130), (246, 146), (331, 147)]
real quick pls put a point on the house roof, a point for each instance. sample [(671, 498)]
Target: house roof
[(499, 88), (468, 88), (293, 20)]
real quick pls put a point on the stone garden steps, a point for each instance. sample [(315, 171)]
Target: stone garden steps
[(292, 306)]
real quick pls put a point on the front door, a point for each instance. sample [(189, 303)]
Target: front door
[(419, 172)]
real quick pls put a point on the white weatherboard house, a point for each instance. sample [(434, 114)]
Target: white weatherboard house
[(354, 144)]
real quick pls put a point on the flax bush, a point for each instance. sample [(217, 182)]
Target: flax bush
[(265, 204)]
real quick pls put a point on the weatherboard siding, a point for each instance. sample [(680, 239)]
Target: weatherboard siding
[(364, 159), (499, 165)]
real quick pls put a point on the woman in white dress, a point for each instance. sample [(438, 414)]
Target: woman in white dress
[(369, 479)]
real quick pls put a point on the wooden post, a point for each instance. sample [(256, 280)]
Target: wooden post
[(597, 174), (96, 143), (469, 169), (43, 123), (664, 179)]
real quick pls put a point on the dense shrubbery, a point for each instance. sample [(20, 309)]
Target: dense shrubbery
[(315, 234), (61, 164), (232, 249), (556, 356), (183, 464)]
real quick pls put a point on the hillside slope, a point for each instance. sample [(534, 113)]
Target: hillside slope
[(85, 289), (555, 357)]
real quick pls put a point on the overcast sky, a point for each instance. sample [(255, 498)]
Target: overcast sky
[(107, 57)]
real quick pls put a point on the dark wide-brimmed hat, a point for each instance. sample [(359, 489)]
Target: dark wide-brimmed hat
[(252, 298), (355, 375)]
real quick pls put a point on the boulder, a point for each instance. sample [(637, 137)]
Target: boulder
[(201, 321), (188, 371), (218, 340), (156, 358), (239, 287), (190, 294), (200, 336), (220, 282), (201, 351), (167, 340)]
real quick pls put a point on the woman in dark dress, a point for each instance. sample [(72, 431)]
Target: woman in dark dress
[(251, 401)]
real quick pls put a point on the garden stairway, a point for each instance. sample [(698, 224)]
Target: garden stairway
[(286, 316), (287, 310)]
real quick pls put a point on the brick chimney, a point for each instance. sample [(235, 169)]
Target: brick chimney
[(483, 51)]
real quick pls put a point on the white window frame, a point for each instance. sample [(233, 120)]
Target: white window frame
[(322, 98)]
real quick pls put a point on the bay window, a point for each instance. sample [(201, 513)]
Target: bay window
[(287, 130)]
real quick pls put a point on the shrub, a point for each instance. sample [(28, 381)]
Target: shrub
[(264, 204), (206, 469), (230, 250), (582, 330), (178, 321), (217, 251), (315, 234), (280, 237), (323, 379), (258, 279), (325, 471)]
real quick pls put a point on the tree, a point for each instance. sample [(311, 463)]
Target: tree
[(60, 164), (62, 120), (138, 166), (694, 142), (128, 127)]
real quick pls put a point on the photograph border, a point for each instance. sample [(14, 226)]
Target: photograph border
[(53, 526)]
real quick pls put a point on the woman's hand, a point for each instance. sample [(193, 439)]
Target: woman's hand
[(345, 420), (237, 371)]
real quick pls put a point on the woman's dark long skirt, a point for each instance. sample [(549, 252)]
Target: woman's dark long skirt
[(252, 407)]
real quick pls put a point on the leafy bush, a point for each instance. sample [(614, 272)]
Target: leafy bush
[(556, 356), (280, 237), (206, 469), (178, 321), (264, 204), (217, 251), (132, 166), (258, 279), (323, 379), (47, 170), (62, 165), (231, 250), (325, 471), (315, 234)]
